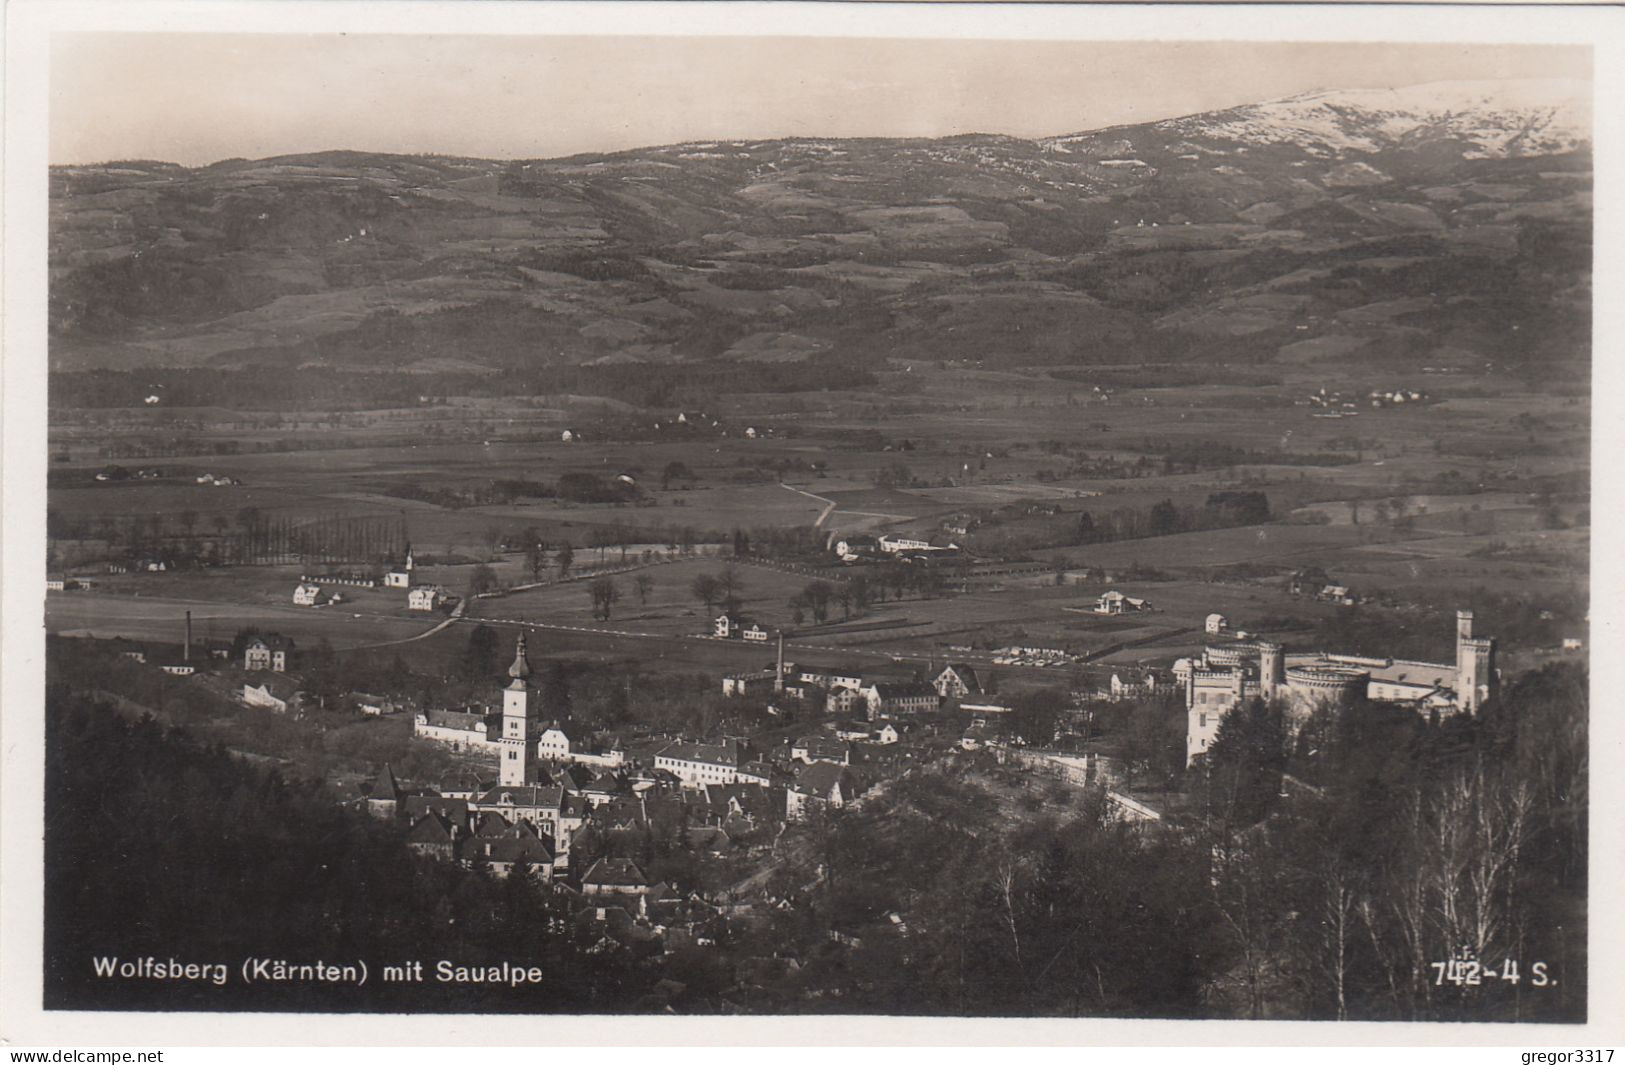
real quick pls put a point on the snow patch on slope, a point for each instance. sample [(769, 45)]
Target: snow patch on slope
[(1494, 119), (1499, 118)]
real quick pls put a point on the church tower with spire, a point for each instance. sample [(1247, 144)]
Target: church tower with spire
[(520, 712)]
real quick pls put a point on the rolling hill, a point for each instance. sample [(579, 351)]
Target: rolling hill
[(1440, 224)]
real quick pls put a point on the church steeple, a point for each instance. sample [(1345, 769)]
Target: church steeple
[(520, 670), (520, 706), (409, 556)]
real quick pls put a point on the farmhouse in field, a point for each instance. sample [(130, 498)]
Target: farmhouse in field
[(735, 626), (426, 597), (1336, 593), (854, 548), (308, 594), (1115, 602)]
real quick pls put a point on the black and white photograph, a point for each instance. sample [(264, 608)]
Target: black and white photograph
[(672, 522)]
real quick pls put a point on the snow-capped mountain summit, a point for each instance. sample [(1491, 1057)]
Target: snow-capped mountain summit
[(1488, 119)]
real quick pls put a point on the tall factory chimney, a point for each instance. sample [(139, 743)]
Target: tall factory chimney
[(186, 651), (778, 672)]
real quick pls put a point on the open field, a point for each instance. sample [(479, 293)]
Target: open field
[(163, 618), (672, 608), (974, 442)]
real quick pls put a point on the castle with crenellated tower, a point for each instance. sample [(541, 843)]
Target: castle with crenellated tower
[(1228, 675)]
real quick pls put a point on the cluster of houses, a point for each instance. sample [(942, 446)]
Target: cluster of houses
[(566, 811), (1385, 397), (737, 627), (267, 680), (1335, 404), (1038, 657), (703, 420), (1326, 404), (479, 728), (122, 473), (1314, 583), (426, 598), (561, 829), (848, 691), (863, 548)]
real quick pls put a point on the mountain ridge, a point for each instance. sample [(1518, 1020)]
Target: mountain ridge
[(1250, 234)]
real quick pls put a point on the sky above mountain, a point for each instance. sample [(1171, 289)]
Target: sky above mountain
[(198, 97)]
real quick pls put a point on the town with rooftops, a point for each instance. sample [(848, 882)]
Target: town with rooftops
[(1141, 572)]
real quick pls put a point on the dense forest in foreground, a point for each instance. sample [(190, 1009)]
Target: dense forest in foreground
[(1319, 873)]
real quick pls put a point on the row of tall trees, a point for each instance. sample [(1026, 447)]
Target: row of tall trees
[(1221, 510), (250, 536)]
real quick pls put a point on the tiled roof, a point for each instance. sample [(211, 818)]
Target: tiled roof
[(417, 806), (825, 747), (571, 731), (896, 690), (384, 786), (820, 778), (615, 872), (523, 795), (473, 721), (534, 849), (430, 828), (280, 685), (725, 753)]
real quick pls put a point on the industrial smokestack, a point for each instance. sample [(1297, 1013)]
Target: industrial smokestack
[(186, 652), (778, 673)]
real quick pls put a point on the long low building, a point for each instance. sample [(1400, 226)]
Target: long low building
[(464, 729), (701, 763)]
